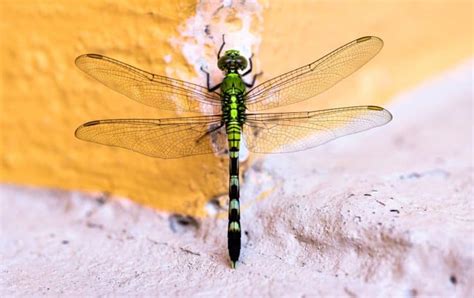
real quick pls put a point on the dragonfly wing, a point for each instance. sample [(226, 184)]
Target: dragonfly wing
[(290, 132), (147, 88), (162, 138), (308, 81)]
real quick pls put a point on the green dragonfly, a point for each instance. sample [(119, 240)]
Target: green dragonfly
[(231, 115)]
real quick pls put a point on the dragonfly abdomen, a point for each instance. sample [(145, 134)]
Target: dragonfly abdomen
[(234, 117), (233, 230)]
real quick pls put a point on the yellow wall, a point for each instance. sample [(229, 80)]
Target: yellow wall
[(44, 97)]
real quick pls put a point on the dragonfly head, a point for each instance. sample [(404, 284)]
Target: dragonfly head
[(232, 61)]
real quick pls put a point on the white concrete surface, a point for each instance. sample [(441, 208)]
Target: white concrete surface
[(385, 213)]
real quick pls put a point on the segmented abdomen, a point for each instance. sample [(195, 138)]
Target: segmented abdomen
[(233, 110)]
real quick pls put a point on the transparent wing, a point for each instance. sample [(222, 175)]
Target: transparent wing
[(308, 81), (162, 138), (290, 132), (147, 88)]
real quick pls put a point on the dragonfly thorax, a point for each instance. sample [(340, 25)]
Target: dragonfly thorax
[(232, 84), (232, 61), (232, 94)]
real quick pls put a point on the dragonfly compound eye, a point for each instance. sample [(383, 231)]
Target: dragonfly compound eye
[(222, 62), (242, 62)]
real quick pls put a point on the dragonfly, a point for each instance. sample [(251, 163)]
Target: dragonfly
[(229, 112)]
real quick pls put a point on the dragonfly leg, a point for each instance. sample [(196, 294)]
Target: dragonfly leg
[(250, 67), (222, 47), (250, 85), (208, 77), (254, 79), (211, 130)]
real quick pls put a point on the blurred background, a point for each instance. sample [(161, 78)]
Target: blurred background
[(44, 97)]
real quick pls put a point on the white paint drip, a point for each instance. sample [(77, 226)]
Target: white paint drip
[(201, 37)]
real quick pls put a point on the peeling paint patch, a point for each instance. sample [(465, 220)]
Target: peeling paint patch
[(201, 37)]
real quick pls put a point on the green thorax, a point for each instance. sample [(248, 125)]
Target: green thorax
[(232, 90), (232, 84)]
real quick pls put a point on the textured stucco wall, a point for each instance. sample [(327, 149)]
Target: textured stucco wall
[(44, 97)]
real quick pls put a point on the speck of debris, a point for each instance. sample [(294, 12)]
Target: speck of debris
[(351, 195), (156, 242), (349, 292), (247, 239), (94, 225), (215, 205), (180, 223), (101, 200), (257, 166), (215, 202), (65, 242), (413, 293), (189, 252), (367, 195), (413, 175), (395, 211), (453, 279)]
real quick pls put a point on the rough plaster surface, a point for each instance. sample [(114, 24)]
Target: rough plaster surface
[(387, 213)]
